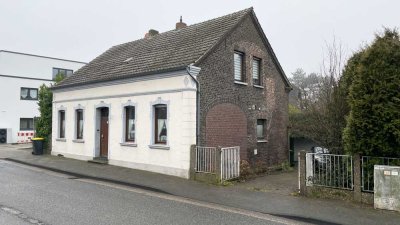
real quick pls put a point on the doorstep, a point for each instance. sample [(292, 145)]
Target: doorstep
[(99, 160)]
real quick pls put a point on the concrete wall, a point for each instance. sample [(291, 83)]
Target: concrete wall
[(20, 70), (174, 89)]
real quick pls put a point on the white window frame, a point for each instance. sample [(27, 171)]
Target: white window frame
[(59, 138), (123, 142), (242, 66), (76, 140), (264, 138), (256, 59), (153, 145)]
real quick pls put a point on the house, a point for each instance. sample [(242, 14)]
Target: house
[(142, 104), (21, 75)]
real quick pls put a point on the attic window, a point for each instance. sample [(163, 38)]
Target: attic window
[(128, 59)]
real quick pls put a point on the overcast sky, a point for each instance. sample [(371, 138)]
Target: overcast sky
[(297, 29)]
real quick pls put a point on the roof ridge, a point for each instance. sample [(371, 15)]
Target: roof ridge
[(170, 49), (189, 26)]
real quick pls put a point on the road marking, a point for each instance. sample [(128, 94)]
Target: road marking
[(249, 213), (262, 216), (20, 215)]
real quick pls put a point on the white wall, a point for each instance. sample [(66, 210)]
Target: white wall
[(12, 108), (22, 65), (180, 93)]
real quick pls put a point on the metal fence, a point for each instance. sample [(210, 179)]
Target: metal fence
[(206, 161), (230, 163), (328, 170), (367, 169)]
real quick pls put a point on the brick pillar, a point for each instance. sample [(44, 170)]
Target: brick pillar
[(302, 172), (192, 165), (357, 177)]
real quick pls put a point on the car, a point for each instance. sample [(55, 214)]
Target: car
[(319, 157)]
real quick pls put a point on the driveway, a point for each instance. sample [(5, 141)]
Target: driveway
[(278, 182)]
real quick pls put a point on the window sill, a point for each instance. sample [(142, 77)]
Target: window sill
[(128, 144), (78, 141), (61, 139), (240, 82), (258, 86), (262, 141), (157, 146)]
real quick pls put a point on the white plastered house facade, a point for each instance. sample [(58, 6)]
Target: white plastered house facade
[(137, 105), (174, 90)]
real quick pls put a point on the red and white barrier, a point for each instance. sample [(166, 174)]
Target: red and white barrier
[(25, 136)]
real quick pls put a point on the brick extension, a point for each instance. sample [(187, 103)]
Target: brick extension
[(219, 95)]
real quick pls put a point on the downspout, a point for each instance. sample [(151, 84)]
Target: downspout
[(193, 71)]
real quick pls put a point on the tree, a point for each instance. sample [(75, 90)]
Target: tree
[(322, 117), (373, 126), (45, 103)]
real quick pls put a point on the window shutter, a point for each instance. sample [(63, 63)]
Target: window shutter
[(238, 66)]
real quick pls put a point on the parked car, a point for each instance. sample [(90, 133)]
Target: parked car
[(319, 157)]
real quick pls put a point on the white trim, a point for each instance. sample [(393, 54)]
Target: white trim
[(241, 83), (123, 141), (262, 141), (61, 139), (128, 144), (79, 107), (61, 108), (152, 104), (97, 118), (129, 95), (258, 86), (78, 141), (159, 146)]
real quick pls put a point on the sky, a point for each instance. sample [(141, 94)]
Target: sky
[(298, 30)]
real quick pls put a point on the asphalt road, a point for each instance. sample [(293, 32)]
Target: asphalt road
[(30, 195)]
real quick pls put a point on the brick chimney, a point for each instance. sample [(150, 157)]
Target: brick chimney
[(151, 33), (180, 24)]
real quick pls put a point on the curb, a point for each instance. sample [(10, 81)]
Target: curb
[(83, 176)]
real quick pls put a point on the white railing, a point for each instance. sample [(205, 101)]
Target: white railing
[(328, 170), (230, 163), (206, 159)]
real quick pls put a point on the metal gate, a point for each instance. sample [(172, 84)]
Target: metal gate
[(230, 163), (328, 170), (206, 159)]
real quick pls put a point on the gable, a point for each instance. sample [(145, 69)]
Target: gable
[(263, 43)]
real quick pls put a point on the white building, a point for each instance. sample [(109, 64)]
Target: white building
[(21, 75), (144, 103)]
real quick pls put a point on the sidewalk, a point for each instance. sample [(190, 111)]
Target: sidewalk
[(241, 196)]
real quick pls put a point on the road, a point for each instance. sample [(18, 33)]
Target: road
[(30, 195)]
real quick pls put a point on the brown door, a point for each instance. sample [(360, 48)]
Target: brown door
[(104, 133)]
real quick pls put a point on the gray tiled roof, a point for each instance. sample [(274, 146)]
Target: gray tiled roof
[(166, 51)]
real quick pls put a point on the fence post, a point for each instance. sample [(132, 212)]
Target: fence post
[(302, 172), (357, 178), (218, 164), (192, 162)]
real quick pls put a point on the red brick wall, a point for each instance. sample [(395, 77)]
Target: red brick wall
[(226, 126)]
